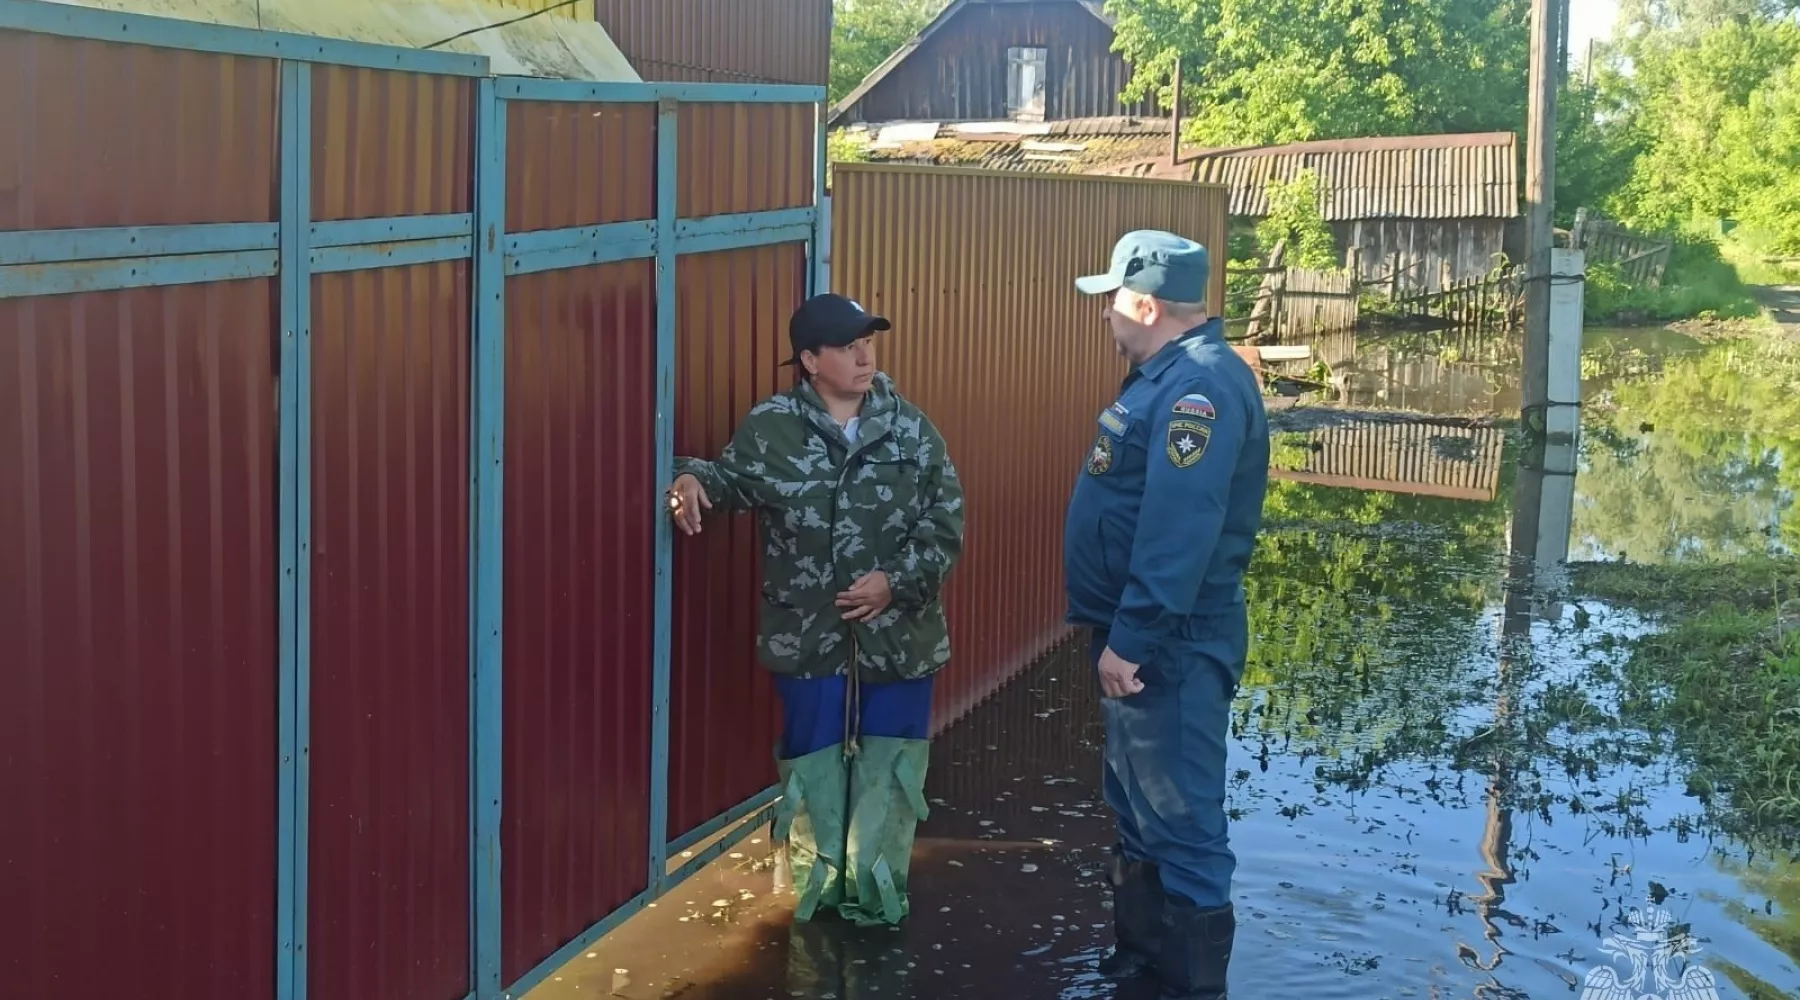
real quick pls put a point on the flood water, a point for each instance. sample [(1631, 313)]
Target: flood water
[(1436, 792)]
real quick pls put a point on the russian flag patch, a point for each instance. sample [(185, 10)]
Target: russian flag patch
[(1195, 405)]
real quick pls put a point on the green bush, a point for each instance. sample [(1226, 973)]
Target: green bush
[(1699, 283)]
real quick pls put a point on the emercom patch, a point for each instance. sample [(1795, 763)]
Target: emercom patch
[(1187, 442), (1195, 405), (1101, 458)]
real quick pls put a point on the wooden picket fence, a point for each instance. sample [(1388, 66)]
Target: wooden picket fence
[(1494, 300), (1294, 302), (1641, 260)]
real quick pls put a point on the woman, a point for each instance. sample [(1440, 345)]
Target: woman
[(862, 519)]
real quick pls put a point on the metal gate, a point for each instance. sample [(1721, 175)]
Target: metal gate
[(340, 385)]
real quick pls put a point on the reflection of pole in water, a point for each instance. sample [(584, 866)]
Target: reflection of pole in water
[(1543, 506), (1496, 836)]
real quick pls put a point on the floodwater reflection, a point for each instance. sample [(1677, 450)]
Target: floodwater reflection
[(1435, 787)]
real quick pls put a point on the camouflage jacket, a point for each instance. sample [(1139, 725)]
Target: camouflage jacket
[(831, 513)]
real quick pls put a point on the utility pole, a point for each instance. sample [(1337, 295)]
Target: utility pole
[(1540, 196), (1175, 117)]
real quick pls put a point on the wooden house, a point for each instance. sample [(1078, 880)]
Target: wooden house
[(999, 60)]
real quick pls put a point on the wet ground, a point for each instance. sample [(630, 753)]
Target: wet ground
[(1783, 303), (1437, 792)]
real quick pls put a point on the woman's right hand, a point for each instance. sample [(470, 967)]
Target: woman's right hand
[(687, 498)]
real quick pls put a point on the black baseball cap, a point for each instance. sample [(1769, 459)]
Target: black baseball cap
[(830, 320)]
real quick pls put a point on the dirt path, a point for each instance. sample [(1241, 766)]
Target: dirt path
[(1783, 303)]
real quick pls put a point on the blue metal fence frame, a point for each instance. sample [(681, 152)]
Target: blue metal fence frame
[(294, 506), (55, 262), (487, 403)]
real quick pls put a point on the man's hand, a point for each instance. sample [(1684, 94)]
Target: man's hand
[(686, 500), (1118, 679), (866, 598)]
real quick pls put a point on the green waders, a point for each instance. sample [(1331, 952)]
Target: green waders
[(809, 834), (844, 827), (887, 801)]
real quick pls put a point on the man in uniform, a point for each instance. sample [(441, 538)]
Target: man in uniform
[(1160, 529)]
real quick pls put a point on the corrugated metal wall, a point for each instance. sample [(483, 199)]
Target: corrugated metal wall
[(137, 542), (137, 598), (579, 608), (153, 524), (579, 558), (103, 153), (389, 857), (388, 911), (745, 158), (976, 270), (959, 73), (722, 41), (579, 164), (730, 344), (387, 144)]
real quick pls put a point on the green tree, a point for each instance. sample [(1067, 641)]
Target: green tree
[(1294, 216), (1759, 144), (1293, 70), (865, 32), (1697, 15), (1597, 146), (1705, 107)]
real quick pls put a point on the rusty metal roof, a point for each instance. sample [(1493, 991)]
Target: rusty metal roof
[(1070, 146), (1460, 176)]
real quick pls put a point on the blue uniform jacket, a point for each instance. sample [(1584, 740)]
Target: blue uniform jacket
[(1164, 517)]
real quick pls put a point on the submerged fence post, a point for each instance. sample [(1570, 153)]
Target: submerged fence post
[(487, 405), (295, 533), (668, 130)]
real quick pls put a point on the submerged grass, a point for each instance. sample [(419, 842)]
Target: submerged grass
[(1723, 679), (1762, 582)]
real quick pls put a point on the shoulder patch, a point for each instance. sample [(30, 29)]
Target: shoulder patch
[(1195, 405), (1112, 422), (1187, 441)]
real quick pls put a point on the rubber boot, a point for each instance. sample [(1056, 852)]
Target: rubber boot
[(1196, 950), (887, 801), (1137, 917), (808, 835)]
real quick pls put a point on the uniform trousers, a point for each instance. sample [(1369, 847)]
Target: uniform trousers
[(1165, 756), (812, 711)]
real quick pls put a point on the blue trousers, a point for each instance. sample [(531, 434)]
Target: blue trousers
[(1165, 758), (812, 711)]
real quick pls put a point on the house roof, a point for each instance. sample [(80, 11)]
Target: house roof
[(1068, 146), (945, 16), (1458, 176)]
